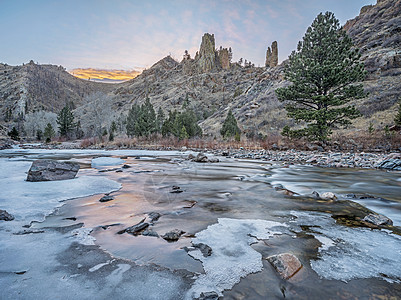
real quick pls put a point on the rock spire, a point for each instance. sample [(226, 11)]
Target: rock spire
[(272, 55)]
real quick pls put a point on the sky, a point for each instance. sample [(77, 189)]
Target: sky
[(135, 34)]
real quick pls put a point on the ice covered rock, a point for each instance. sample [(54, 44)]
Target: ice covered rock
[(328, 196), (49, 170), (5, 216), (377, 219), (286, 264)]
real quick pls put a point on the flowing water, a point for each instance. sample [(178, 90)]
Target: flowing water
[(233, 207)]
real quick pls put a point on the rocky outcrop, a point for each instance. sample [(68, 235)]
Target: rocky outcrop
[(272, 55), (206, 57), (49, 170), (224, 58)]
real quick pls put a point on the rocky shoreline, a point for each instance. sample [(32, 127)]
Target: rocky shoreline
[(320, 158)]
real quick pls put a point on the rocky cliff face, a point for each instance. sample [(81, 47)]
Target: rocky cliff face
[(272, 55), (377, 33)]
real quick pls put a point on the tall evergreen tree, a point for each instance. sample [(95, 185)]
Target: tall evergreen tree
[(65, 121), (141, 120), (159, 120), (176, 121), (230, 127), (48, 133), (323, 72)]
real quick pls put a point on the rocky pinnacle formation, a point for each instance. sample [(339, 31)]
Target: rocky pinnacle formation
[(272, 55), (206, 58)]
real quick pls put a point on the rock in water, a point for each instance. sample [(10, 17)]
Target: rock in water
[(286, 264), (106, 198), (328, 196), (49, 170), (5, 216), (135, 229), (173, 235), (377, 220)]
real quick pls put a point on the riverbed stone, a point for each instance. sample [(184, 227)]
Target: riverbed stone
[(377, 219), (50, 170), (205, 249), (135, 229), (5, 216), (173, 236), (286, 264), (106, 198)]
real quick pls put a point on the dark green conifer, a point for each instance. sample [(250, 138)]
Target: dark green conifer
[(48, 133), (324, 71), (230, 127), (65, 121)]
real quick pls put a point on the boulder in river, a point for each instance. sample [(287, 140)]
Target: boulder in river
[(173, 236), (377, 220), (286, 264), (5, 216), (49, 170)]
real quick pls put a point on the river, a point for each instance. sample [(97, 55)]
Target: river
[(232, 206)]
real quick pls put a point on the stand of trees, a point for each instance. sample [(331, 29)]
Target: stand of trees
[(143, 121)]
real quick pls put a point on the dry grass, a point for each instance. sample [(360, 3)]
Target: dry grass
[(361, 140)]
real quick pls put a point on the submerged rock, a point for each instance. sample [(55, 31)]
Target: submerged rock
[(173, 235), (377, 219), (286, 264), (5, 216), (106, 198), (135, 229), (150, 232), (49, 170), (154, 216)]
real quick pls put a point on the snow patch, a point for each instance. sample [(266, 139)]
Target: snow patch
[(106, 161), (232, 257), (350, 253)]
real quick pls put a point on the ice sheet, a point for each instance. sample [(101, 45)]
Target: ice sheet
[(232, 256), (349, 253), (29, 201), (106, 161)]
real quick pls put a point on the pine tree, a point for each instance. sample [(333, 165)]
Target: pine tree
[(323, 72), (48, 133), (65, 121), (159, 120), (230, 127), (14, 134)]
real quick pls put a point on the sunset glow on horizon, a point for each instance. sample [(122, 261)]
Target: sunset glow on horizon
[(99, 74)]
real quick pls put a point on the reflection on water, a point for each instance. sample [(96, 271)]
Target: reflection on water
[(235, 189)]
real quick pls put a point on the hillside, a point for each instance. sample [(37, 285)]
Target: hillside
[(211, 84), (32, 87)]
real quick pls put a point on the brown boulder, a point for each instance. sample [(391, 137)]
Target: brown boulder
[(286, 264)]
